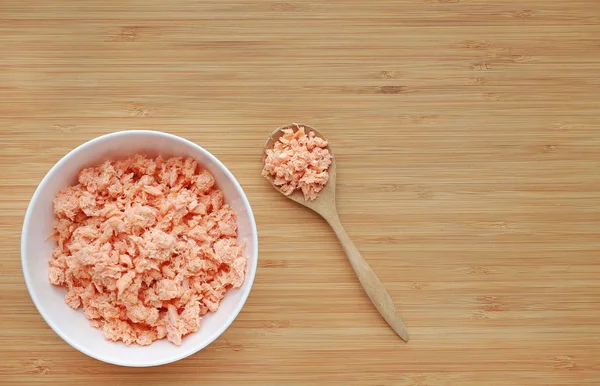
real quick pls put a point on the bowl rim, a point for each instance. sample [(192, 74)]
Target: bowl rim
[(28, 218)]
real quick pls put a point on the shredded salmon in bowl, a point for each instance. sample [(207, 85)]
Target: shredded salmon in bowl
[(298, 161), (146, 247)]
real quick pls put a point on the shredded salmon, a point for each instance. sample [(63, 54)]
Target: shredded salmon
[(298, 161), (146, 247)]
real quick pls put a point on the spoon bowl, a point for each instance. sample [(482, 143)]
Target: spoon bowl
[(325, 206), (326, 196)]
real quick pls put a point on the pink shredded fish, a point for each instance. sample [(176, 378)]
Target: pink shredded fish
[(298, 161), (146, 247)]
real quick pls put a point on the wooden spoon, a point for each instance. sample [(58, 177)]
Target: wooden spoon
[(325, 205)]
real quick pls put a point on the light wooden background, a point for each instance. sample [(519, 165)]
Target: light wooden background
[(467, 134)]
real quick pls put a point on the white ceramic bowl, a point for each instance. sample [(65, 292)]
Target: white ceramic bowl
[(36, 249)]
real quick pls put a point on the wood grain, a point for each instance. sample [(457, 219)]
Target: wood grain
[(466, 134)]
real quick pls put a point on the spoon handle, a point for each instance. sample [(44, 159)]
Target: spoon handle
[(369, 280)]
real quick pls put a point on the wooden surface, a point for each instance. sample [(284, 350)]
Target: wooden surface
[(467, 138)]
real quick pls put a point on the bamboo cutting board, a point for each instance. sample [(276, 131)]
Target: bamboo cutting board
[(466, 134)]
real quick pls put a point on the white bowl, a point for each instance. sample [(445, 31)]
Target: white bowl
[(36, 250)]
